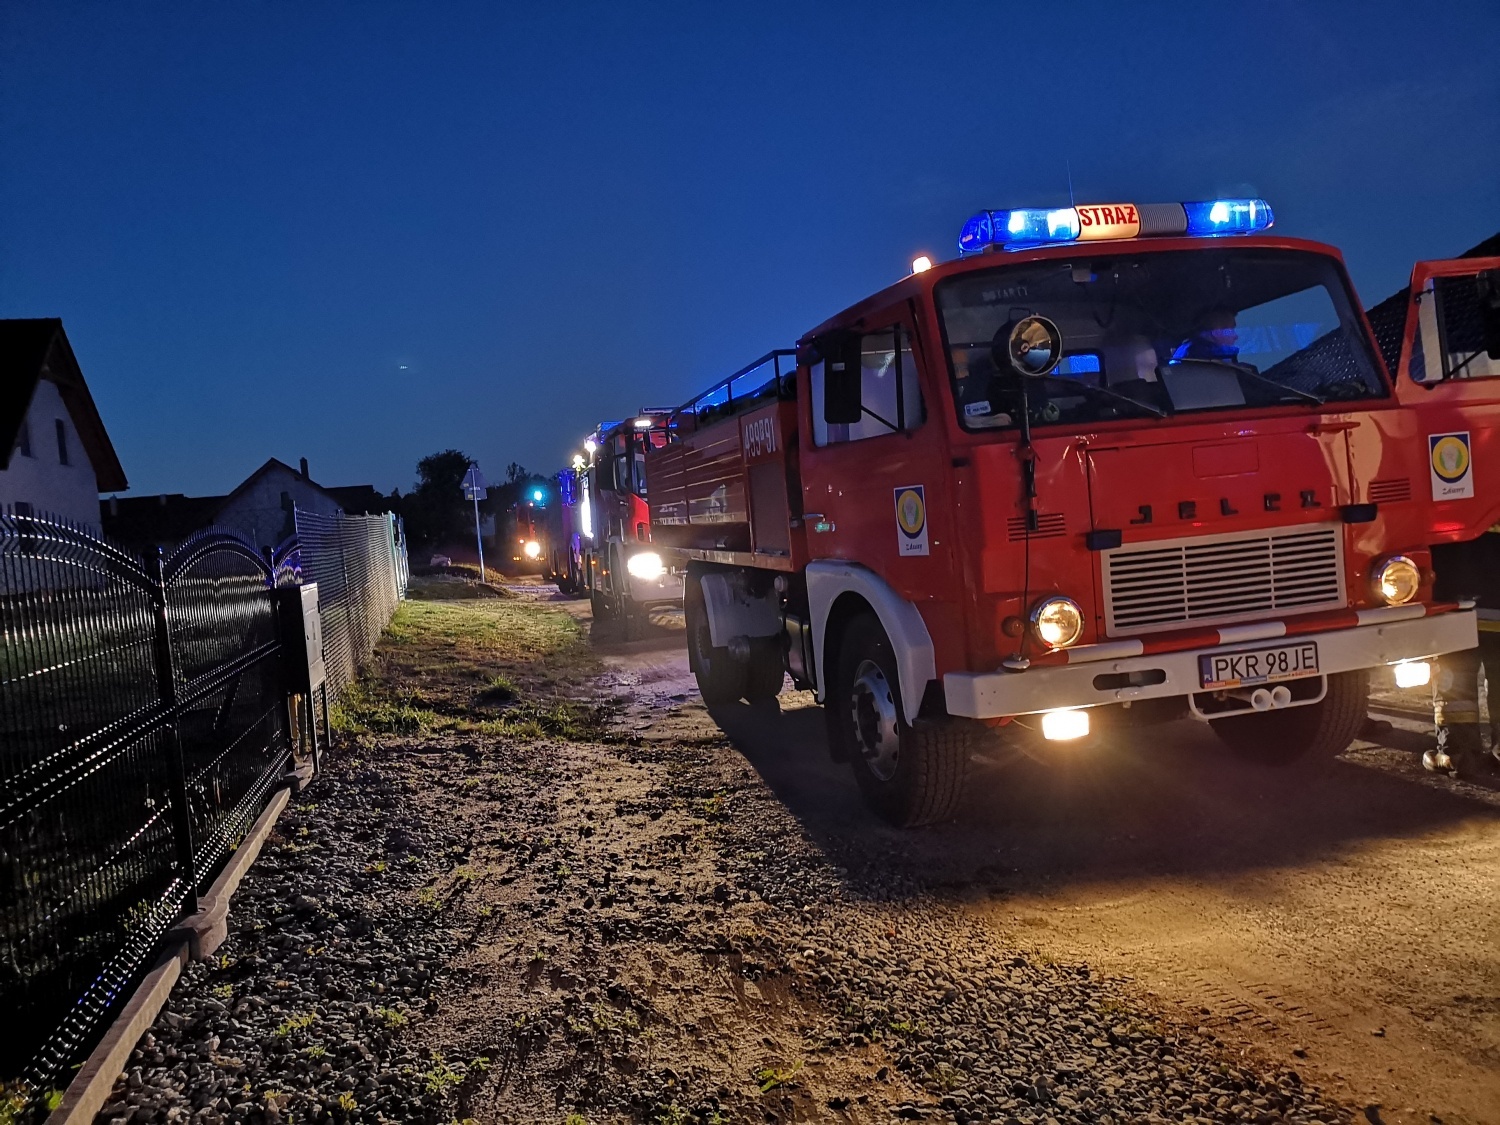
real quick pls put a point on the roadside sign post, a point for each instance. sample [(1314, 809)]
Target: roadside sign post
[(474, 489)]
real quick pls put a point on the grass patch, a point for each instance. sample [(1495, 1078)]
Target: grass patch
[(495, 666)]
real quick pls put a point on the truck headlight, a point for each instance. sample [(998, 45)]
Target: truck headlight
[(533, 549), (1057, 622), (1397, 579), (645, 565)]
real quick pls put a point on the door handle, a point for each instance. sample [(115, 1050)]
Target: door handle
[(1332, 427)]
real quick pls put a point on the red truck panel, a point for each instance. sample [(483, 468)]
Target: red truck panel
[(724, 490)]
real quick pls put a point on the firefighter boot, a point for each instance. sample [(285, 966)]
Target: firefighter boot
[(1458, 751)]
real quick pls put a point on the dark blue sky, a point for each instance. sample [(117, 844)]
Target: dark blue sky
[(250, 216)]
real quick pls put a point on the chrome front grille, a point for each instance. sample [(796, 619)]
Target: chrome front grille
[(1210, 579)]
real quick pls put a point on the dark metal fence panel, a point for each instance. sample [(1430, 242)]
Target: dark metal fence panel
[(359, 564), (142, 722)]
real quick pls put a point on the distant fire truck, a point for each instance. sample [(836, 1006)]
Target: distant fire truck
[(563, 556), (526, 530), (622, 572), (1123, 462)]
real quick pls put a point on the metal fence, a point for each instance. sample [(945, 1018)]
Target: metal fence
[(143, 721), (359, 564)]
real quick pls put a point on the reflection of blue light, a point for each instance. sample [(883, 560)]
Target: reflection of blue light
[(1084, 363), (1022, 226), (1228, 216)]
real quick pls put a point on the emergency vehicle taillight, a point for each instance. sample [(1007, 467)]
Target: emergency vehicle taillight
[(1089, 222)]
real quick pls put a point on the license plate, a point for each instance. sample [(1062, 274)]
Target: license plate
[(1265, 665)]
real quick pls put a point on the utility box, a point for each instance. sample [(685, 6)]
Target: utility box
[(301, 638)]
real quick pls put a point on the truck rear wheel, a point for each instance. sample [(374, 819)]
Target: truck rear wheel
[(1321, 729), (909, 774), (721, 678)]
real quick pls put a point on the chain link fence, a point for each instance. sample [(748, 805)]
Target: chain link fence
[(359, 564)]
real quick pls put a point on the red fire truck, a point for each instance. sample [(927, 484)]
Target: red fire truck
[(1114, 464), (624, 575), (564, 557), (526, 530)]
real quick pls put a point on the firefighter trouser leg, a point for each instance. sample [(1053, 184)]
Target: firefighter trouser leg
[(1489, 655), (1455, 709)]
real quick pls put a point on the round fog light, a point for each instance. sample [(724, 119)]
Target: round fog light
[(1057, 622), (1397, 580)]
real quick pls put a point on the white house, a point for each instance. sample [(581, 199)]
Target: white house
[(261, 507), (57, 456)]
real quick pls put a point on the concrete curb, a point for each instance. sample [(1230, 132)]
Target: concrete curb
[(194, 938)]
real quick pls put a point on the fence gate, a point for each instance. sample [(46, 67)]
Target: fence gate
[(143, 722)]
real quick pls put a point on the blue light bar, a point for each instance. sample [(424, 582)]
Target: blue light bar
[(1029, 226), (1090, 222), (1228, 216)]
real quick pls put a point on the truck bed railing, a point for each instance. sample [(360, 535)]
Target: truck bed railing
[(769, 378)]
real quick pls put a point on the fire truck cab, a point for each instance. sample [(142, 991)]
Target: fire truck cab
[(624, 576), (1115, 462)]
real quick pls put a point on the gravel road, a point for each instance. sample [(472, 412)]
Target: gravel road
[(672, 916)]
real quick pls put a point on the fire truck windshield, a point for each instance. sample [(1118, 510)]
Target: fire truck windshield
[(1152, 334)]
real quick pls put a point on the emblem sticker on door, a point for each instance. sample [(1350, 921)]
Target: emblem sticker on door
[(911, 520), (1452, 466)]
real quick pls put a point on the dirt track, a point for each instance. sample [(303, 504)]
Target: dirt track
[(1343, 920), (542, 883)]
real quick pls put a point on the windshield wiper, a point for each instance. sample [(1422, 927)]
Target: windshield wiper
[(1250, 372), (1105, 392)]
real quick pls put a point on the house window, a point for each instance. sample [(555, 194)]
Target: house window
[(62, 443), (23, 439)]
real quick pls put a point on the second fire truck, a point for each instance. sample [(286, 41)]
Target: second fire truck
[(1118, 461), (620, 569)]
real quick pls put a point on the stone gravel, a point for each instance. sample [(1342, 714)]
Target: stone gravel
[(637, 929)]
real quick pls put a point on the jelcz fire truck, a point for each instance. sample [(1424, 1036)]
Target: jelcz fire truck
[(622, 572), (1121, 462)]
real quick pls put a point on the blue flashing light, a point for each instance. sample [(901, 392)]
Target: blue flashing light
[(538, 495), (1028, 226), (1228, 216)]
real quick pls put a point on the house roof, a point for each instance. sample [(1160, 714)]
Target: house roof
[(32, 350), (171, 518), (271, 465), (165, 520)]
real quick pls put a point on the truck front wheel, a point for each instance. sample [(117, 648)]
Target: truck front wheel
[(1321, 729), (721, 678), (600, 606), (911, 774)]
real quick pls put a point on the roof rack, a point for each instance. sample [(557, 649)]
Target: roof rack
[(747, 387)]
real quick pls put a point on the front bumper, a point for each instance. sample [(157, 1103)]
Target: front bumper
[(1383, 637), (656, 591)]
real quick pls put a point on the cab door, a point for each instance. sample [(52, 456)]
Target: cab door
[(1448, 374), (874, 491)]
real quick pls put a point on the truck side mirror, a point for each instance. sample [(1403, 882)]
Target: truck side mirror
[(604, 475), (843, 404)]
